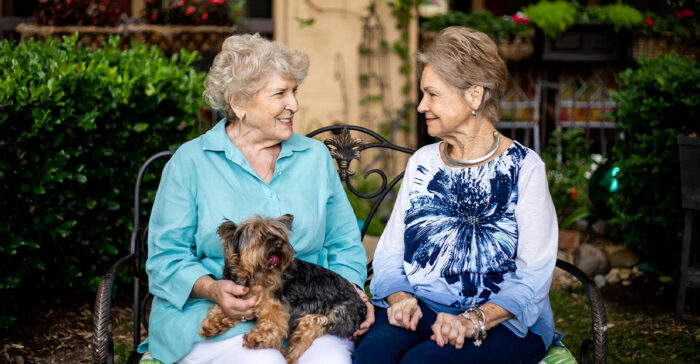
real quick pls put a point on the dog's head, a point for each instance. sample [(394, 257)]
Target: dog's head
[(257, 245)]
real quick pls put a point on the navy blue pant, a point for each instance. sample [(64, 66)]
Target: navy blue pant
[(387, 344)]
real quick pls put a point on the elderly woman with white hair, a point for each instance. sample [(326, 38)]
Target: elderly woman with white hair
[(250, 163), (463, 268)]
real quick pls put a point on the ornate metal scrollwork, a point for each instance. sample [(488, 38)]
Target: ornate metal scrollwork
[(344, 148)]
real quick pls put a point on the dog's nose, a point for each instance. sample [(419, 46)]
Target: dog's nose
[(278, 244)]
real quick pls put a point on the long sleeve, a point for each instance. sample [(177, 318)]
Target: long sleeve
[(388, 263), (524, 293), (172, 265), (346, 254)]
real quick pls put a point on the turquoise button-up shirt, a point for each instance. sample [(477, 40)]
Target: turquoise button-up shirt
[(208, 180)]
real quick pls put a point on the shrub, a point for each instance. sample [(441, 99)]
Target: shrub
[(657, 101), (76, 126)]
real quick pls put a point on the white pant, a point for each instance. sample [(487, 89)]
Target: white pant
[(327, 349)]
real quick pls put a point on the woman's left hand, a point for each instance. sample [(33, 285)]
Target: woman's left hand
[(451, 329), (369, 318)]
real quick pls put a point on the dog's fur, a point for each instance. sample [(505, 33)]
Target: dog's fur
[(295, 297)]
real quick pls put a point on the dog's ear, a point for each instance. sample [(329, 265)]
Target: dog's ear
[(286, 219), (227, 229)]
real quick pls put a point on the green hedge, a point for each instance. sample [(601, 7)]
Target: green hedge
[(76, 124), (657, 101)]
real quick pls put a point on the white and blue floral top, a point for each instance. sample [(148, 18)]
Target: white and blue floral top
[(462, 237)]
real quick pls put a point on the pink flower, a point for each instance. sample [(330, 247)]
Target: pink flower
[(684, 13), (521, 18), (649, 21), (218, 2), (205, 16), (190, 10), (181, 3)]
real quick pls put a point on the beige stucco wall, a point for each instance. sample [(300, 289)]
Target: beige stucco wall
[(331, 93)]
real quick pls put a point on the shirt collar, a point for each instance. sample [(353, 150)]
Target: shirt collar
[(216, 140)]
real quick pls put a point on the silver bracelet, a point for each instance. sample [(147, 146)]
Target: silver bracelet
[(475, 327), (481, 335)]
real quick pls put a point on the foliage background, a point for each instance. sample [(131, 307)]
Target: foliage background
[(656, 101), (76, 125)]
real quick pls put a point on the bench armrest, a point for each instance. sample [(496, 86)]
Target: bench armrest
[(102, 350), (599, 346)]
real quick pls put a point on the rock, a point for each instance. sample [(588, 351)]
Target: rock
[(599, 280), (625, 273), (569, 240), (580, 225), (598, 227), (623, 258), (613, 276), (591, 260)]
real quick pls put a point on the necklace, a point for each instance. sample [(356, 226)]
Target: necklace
[(471, 162)]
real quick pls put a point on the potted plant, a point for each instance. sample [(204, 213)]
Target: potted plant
[(512, 34), (661, 34), (574, 33)]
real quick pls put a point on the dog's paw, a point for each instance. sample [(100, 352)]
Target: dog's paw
[(257, 340)]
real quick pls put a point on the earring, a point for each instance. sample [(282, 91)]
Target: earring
[(473, 113)]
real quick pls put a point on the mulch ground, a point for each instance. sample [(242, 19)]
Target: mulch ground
[(60, 334)]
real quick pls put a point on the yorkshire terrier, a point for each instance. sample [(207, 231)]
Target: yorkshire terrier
[(297, 300)]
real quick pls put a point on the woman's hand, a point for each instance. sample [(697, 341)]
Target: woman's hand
[(451, 329), (403, 310), (228, 295), (369, 317)]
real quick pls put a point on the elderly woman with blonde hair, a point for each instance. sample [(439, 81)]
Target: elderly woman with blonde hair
[(250, 163), (463, 268)]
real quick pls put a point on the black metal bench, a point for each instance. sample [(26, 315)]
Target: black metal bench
[(345, 143)]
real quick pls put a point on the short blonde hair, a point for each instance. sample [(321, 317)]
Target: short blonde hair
[(242, 66), (464, 57)]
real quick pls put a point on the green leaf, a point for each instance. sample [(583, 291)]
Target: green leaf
[(39, 189), (140, 127)]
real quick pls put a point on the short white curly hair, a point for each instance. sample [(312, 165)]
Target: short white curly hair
[(241, 68)]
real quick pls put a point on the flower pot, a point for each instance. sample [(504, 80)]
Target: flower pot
[(516, 49), (653, 46), (689, 153), (586, 42)]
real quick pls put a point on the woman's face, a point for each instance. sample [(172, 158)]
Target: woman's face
[(270, 111), (445, 107)]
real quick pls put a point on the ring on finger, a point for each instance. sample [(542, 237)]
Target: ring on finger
[(243, 319)]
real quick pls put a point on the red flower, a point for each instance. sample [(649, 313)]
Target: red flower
[(218, 2), (181, 2), (190, 10), (143, 14), (520, 18), (684, 13), (649, 21), (205, 16), (154, 16), (198, 21), (572, 193)]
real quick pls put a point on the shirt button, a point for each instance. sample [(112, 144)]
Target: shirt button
[(279, 173)]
